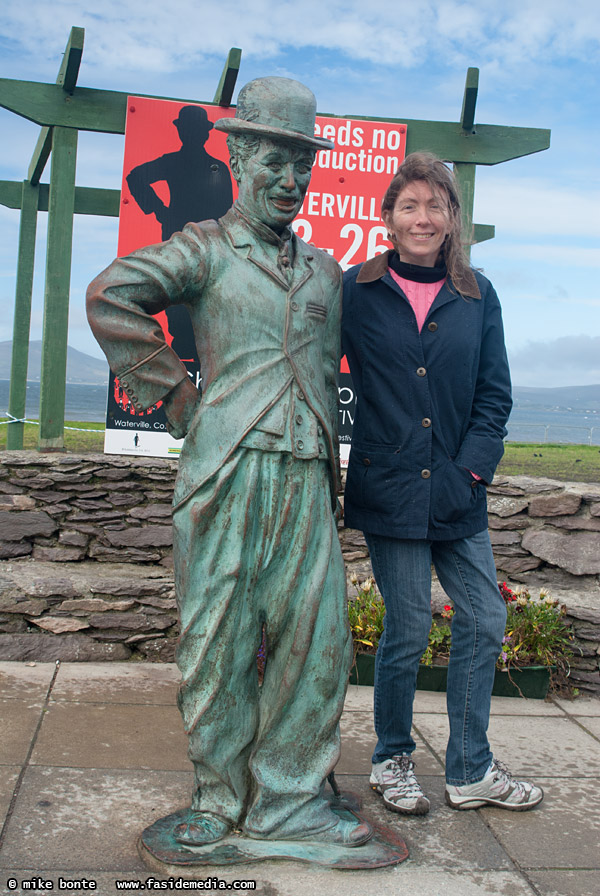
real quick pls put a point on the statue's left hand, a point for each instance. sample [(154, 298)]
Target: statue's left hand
[(180, 407)]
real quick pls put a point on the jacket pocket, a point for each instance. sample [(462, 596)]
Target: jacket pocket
[(454, 493), (373, 479)]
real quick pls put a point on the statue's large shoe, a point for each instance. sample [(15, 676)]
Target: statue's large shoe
[(345, 833), (201, 828)]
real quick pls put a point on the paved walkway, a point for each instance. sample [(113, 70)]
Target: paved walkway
[(90, 754)]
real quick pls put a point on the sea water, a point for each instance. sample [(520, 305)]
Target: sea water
[(527, 424)]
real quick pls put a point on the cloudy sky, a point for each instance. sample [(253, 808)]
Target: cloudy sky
[(539, 64)]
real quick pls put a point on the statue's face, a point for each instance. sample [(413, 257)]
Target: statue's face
[(273, 182)]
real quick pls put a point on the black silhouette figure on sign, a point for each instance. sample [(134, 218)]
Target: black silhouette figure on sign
[(199, 189)]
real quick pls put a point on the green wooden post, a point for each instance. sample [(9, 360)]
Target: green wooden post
[(465, 175), (20, 347), (226, 84), (56, 297), (465, 172)]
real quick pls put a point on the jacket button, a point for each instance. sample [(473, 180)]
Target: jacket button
[(474, 484), (366, 462), (421, 371), (299, 419), (299, 444), (425, 422), (321, 449), (294, 306), (432, 326), (300, 395), (320, 430), (425, 474)]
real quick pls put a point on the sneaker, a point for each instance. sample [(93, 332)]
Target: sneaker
[(395, 780), (496, 788)]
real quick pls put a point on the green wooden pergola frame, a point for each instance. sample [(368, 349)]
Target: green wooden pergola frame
[(62, 109)]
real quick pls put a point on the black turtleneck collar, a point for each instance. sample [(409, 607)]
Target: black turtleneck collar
[(416, 272)]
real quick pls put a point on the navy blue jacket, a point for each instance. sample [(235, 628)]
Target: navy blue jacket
[(431, 406)]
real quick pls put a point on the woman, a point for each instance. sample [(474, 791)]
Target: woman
[(424, 340)]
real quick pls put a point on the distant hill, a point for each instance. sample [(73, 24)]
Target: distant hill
[(576, 398), (81, 368)]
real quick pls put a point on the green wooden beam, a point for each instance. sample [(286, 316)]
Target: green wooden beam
[(56, 296), (11, 192), (21, 324), (40, 156), (88, 200), (467, 115), (87, 109), (67, 79), (105, 111), (483, 232), (229, 75)]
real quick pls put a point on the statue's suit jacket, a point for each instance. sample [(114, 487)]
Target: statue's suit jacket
[(256, 335)]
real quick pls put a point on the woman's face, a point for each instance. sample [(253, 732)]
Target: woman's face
[(419, 223)]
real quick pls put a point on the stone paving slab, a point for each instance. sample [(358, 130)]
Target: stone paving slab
[(582, 706), (359, 699), (435, 702), (25, 681), (565, 883), (112, 735), (553, 747), (591, 724), (154, 683), (87, 818), (85, 796), (444, 838), (19, 722), (358, 743), (563, 832), (8, 778)]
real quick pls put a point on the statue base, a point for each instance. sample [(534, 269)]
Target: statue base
[(162, 854)]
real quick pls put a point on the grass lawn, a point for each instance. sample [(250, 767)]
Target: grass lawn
[(76, 441), (577, 463)]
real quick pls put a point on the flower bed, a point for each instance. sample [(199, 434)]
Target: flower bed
[(537, 636)]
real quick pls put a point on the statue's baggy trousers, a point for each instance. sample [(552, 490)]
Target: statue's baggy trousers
[(257, 545)]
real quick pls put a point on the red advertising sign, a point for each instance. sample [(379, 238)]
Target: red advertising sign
[(176, 170), (341, 209)]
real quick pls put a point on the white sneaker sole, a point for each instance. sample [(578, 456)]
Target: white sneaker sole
[(477, 802)]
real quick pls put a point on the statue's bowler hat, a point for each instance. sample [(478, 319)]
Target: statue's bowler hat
[(279, 108)]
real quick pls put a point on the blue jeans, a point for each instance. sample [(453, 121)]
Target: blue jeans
[(466, 571)]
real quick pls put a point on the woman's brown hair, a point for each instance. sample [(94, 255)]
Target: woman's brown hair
[(425, 166)]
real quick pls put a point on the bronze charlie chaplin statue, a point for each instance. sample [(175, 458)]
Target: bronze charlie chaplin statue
[(255, 539)]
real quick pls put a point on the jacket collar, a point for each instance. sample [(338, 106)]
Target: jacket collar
[(376, 268), (247, 241)]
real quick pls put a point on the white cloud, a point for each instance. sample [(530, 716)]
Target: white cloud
[(537, 207), (562, 255), (568, 360), (154, 36)]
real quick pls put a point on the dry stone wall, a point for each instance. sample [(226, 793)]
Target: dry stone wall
[(86, 556)]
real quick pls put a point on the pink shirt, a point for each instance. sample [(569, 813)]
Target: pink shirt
[(420, 295)]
